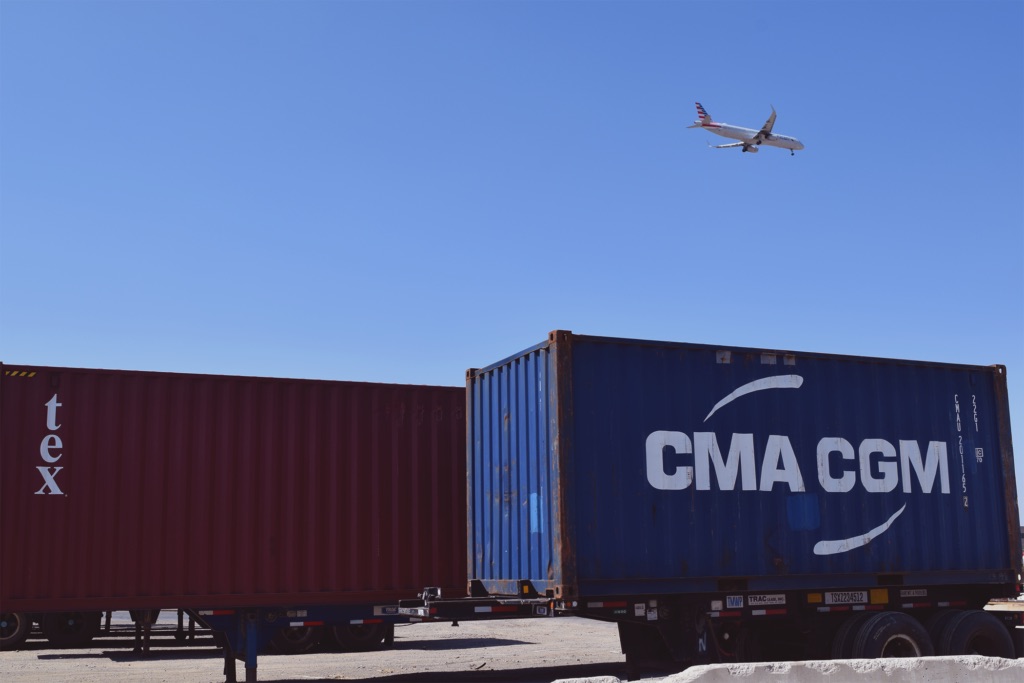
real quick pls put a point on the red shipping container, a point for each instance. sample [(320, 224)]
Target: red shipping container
[(142, 490)]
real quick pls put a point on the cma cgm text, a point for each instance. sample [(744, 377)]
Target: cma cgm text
[(676, 462)]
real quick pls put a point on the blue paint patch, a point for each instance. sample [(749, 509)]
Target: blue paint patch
[(536, 515), (802, 510)]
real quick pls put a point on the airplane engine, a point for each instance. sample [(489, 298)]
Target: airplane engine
[(751, 148)]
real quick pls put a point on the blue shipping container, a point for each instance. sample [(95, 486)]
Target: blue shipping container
[(602, 466)]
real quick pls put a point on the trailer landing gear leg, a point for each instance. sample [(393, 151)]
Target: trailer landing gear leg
[(252, 636), (229, 665), (143, 630)]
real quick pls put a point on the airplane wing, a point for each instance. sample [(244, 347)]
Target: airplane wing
[(731, 144), (766, 129)]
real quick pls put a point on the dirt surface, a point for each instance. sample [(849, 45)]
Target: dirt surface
[(510, 651)]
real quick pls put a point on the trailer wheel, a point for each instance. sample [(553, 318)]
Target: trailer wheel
[(936, 626), (296, 640), (892, 634), (842, 643), (362, 637), (14, 629), (976, 633), (71, 629)]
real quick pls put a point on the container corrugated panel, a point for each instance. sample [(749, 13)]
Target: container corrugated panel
[(129, 490), (606, 466)]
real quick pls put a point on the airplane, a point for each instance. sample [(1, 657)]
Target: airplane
[(749, 138)]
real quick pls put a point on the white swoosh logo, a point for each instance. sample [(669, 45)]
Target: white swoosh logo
[(777, 382), (795, 382), (847, 544)]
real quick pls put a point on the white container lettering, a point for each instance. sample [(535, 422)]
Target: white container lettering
[(50, 450), (876, 464), (960, 449)]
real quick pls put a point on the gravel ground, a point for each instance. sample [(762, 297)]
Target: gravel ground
[(507, 651), (511, 651)]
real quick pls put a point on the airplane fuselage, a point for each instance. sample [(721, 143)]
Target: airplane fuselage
[(748, 135)]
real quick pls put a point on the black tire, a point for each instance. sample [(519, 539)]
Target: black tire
[(71, 629), (14, 629), (976, 632), (892, 634), (297, 640), (937, 624), (360, 637), (842, 643), (749, 646)]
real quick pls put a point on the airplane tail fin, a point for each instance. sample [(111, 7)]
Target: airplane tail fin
[(702, 114)]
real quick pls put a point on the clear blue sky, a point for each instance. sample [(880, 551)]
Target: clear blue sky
[(397, 191)]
